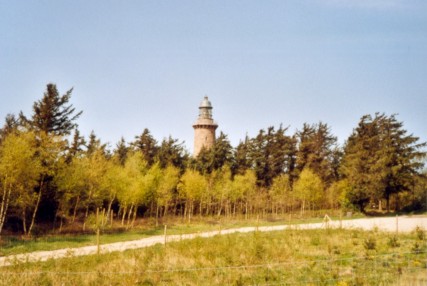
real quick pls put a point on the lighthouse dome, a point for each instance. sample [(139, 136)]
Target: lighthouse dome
[(205, 103)]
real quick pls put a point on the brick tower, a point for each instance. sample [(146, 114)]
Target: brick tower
[(204, 127)]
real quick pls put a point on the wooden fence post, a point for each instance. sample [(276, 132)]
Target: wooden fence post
[(165, 233), (397, 224), (97, 231)]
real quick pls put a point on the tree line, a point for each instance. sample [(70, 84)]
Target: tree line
[(51, 176)]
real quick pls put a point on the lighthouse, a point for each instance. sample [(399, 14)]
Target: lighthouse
[(204, 127)]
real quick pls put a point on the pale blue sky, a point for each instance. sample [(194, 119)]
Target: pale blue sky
[(148, 64)]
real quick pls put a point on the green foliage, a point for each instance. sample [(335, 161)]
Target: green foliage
[(214, 158), (272, 153), (317, 151), (281, 192), (380, 159), (416, 198), (270, 174), (20, 170), (337, 194), (220, 191), (171, 152), (75, 149), (52, 114), (121, 151), (147, 145), (241, 157), (192, 185), (167, 186), (244, 187), (309, 188), (133, 193), (95, 145), (70, 180), (11, 125)]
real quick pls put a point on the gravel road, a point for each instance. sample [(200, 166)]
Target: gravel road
[(391, 224)]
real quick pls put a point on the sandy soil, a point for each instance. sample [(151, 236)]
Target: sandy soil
[(391, 224)]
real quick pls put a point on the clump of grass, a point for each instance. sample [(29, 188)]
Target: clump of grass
[(370, 243), (417, 248), (420, 233), (393, 241), (333, 249), (315, 240)]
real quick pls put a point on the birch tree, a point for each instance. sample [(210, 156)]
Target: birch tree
[(281, 193), (245, 187), (308, 189), (71, 182), (131, 195), (167, 185), (191, 188), (19, 172)]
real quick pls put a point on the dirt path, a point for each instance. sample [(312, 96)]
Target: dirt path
[(401, 224)]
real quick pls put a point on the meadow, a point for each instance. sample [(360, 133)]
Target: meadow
[(15, 244), (290, 257)]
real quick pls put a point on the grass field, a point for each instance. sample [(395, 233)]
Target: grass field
[(10, 245), (291, 257)]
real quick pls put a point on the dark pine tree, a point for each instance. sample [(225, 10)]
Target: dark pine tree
[(11, 124), (241, 157), (147, 145), (172, 153), (317, 150), (216, 157), (203, 161), (360, 153), (400, 158), (53, 114), (76, 146), (380, 160), (121, 151), (272, 153), (95, 144)]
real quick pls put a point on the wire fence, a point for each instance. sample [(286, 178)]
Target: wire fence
[(386, 269)]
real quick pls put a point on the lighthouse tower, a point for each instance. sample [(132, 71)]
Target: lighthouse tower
[(204, 127)]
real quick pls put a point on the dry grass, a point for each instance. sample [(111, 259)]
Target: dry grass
[(301, 257)]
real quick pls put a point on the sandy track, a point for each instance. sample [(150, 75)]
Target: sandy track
[(391, 224)]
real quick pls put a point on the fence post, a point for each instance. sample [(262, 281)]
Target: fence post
[(257, 222), (97, 231), (165, 233), (397, 224)]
